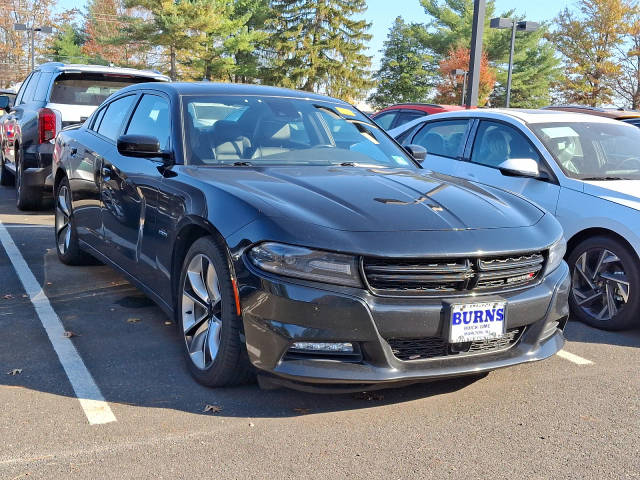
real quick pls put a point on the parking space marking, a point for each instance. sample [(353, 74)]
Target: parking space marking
[(574, 358), (91, 400)]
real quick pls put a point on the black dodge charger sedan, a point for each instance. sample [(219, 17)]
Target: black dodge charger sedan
[(291, 237)]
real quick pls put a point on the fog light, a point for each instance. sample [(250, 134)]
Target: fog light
[(323, 347)]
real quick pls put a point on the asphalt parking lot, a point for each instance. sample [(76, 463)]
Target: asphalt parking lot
[(576, 415)]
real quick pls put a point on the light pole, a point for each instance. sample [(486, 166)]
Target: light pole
[(21, 27), (457, 72), (523, 26), (475, 55)]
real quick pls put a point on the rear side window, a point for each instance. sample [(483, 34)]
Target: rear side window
[(43, 87), (407, 115), (386, 119), (114, 116), (443, 138), (23, 87), (88, 88), (151, 118), (31, 88)]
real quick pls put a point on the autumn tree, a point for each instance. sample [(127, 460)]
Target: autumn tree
[(588, 42), (627, 84), (318, 46), (449, 91), (402, 76)]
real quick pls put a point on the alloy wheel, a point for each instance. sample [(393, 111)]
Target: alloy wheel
[(600, 285), (201, 311), (63, 219)]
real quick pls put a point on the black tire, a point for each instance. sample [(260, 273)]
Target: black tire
[(68, 249), (27, 198), (6, 177), (230, 365), (624, 261)]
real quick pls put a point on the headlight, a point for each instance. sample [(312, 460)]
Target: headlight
[(300, 262), (556, 254)]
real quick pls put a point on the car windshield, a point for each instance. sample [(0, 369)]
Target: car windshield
[(89, 88), (593, 151), (251, 130)]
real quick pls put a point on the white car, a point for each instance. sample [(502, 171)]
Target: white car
[(582, 168)]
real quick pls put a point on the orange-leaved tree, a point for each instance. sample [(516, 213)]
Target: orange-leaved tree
[(449, 90)]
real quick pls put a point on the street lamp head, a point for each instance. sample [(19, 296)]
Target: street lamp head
[(526, 26), (19, 27), (44, 29), (501, 23)]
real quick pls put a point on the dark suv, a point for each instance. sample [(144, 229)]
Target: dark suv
[(52, 97)]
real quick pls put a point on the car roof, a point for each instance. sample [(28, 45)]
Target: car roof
[(616, 113), (79, 68), (215, 88), (425, 107)]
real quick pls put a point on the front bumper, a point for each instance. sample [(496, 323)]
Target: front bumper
[(277, 312)]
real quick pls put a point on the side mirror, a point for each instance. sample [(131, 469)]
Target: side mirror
[(520, 167), (142, 146), (418, 152), (5, 102)]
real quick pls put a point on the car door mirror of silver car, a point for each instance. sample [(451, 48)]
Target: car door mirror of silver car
[(418, 152), (521, 167), (143, 146), (5, 102)]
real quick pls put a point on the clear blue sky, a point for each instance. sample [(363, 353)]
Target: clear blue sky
[(382, 13)]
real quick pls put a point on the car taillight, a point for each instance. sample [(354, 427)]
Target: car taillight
[(46, 125)]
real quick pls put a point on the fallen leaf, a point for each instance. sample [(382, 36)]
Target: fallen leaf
[(251, 424), (133, 320), (49, 283), (8, 296), (69, 334), (302, 411), (15, 371), (212, 408)]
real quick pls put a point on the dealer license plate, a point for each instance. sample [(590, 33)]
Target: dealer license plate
[(471, 322)]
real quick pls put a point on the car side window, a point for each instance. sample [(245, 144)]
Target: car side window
[(23, 88), (496, 142), (151, 118), (445, 138), (114, 116), (405, 116), (31, 88), (386, 119), (42, 87)]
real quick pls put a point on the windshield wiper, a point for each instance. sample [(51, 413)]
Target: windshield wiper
[(356, 164), (242, 164), (605, 178)]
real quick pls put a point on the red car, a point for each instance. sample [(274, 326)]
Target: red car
[(396, 115)]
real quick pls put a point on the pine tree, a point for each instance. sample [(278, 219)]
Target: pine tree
[(67, 45), (402, 76), (318, 45)]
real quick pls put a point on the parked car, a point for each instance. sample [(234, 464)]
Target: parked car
[(285, 231), (52, 97), (629, 116), (9, 92), (396, 115), (585, 169)]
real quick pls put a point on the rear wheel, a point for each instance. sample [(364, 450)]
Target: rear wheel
[(27, 198), (605, 278), (208, 320), (69, 251)]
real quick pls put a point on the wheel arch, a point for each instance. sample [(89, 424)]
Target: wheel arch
[(593, 231)]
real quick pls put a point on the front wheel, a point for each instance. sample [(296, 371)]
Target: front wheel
[(207, 317), (605, 278)]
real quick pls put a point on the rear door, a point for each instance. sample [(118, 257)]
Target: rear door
[(496, 142), (14, 119), (129, 190)]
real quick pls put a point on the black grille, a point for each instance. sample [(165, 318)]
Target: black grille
[(433, 347), (424, 277)]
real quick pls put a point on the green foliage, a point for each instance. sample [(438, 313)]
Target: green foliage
[(402, 76), (318, 45), (67, 45)]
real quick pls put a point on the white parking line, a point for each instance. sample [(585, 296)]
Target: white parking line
[(574, 358), (93, 403)]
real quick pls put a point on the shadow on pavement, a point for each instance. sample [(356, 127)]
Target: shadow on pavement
[(579, 332)]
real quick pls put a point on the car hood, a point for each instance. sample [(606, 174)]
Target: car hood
[(623, 192), (372, 199)]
